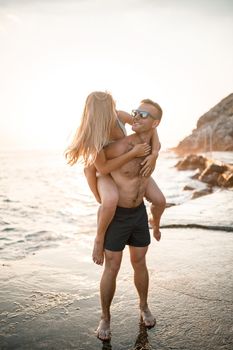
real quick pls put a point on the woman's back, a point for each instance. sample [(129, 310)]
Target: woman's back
[(118, 132)]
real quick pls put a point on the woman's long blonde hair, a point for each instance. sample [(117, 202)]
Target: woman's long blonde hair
[(97, 122)]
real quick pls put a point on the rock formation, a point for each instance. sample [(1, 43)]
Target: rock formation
[(212, 172), (214, 131)]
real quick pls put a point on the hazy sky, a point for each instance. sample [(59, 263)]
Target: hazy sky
[(54, 53)]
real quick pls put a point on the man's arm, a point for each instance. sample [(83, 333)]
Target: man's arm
[(148, 165), (106, 166)]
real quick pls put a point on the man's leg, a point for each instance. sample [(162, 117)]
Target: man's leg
[(107, 290), (141, 280)]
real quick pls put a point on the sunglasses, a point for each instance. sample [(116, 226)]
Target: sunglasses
[(142, 114)]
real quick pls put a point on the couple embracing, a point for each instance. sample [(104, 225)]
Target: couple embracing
[(118, 169)]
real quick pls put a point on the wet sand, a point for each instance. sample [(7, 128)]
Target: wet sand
[(213, 211), (50, 300)]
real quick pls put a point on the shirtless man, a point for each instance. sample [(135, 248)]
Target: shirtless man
[(130, 223)]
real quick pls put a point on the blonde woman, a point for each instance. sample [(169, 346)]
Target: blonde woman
[(100, 125)]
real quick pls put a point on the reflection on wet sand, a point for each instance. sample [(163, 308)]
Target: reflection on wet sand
[(141, 343), (106, 345)]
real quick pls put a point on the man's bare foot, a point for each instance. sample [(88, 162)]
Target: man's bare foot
[(156, 230), (103, 331), (98, 253), (148, 318)]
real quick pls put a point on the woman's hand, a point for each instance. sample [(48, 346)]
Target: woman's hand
[(148, 165), (141, 150)]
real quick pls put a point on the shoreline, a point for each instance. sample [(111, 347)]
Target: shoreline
[(210, 212), (197, 226)]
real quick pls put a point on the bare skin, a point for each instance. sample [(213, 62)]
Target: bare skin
[(154, 195), (156, 230), (98, 253), (131, 188), (106, 193), (103, 331), (141, 281), (107, 290), (106, 211), (148, 318)]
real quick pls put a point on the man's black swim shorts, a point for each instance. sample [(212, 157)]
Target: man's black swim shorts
[(128, 226)]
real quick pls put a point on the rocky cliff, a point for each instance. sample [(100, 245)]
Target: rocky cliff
[(214, 131)]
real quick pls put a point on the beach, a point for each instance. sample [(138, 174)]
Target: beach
[(49, 286), (50, 300)]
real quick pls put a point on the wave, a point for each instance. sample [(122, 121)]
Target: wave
[(43, 235), (7, 229), (49, 202)]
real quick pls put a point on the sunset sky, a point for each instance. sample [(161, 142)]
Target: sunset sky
[(53, 53)]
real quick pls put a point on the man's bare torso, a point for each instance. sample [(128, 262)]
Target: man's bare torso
[(131, 185)]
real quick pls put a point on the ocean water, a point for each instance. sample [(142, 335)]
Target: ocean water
[(44, 201)]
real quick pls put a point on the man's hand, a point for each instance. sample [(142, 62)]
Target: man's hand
[(148, 165)]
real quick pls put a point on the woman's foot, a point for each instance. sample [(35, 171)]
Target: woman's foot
[(103, 331), (156, 230), (98, 252)]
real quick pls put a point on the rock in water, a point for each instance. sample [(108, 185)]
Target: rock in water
[(212, 172), (214, 131)]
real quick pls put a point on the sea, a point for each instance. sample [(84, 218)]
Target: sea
[(44, 201)]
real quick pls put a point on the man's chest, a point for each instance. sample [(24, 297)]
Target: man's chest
[(132, 168)]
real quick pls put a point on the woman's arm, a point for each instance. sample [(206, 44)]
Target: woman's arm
[(148, 165), (125, 117), (105, 166), (155, 144), (90, 173)]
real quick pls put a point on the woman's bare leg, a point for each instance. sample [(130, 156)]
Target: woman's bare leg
[(109, 197), (158, 204)]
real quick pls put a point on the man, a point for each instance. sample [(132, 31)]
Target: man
[(130, 223)]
